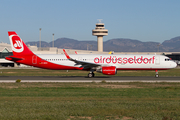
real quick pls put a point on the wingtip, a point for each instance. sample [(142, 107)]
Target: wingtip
[(66, 54)]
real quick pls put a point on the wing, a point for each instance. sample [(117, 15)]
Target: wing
[(85, 65)]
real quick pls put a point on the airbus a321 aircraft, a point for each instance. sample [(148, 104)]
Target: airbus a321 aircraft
[(104, 63)]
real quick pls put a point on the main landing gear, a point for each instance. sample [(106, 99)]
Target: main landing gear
[(91, 74), (157, 75)]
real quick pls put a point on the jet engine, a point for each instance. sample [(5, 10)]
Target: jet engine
[(107, 70)]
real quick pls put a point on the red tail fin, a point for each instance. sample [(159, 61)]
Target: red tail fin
[(18, 46)]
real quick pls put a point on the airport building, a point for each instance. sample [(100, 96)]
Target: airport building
[(5, 50), (100, 31)]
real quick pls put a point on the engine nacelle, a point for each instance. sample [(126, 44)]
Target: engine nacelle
[(107, 70)]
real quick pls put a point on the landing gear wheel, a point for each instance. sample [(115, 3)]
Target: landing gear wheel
[(90, 75), (156, 75)]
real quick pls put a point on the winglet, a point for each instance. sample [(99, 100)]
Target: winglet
[(66, 54)]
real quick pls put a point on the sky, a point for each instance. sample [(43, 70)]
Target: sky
[(144, 20)]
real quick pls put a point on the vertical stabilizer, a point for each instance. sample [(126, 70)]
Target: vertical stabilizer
[(18, 46)]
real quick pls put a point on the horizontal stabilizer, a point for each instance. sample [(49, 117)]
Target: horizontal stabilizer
[(13, 58)]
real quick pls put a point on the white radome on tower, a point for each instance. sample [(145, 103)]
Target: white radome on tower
[(100, 31)]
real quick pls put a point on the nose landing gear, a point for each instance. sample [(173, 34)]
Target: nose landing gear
[(157, 75)]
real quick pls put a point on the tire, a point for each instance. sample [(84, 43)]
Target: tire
[(156, 75), (90, 75)]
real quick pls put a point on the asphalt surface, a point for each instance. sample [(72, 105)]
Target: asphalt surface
[(86, 79)]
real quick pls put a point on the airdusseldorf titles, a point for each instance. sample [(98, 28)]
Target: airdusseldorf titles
[(124, 60)]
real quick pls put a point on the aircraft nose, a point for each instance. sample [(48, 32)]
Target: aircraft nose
[(173, 64)]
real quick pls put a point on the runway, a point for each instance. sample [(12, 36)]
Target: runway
[(86, 79)]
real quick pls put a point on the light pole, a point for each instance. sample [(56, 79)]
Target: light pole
[(40, 38), (53, 40)]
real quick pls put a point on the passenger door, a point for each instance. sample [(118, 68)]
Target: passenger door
[(157, 60)]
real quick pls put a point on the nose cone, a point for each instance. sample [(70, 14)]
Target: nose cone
[(173, 64)]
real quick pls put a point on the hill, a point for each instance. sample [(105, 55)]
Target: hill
[(117, 45), (173, 45)]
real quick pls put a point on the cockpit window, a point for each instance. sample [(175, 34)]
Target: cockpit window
[(167, 59)]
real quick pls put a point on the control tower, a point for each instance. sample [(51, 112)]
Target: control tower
[(100, 31)]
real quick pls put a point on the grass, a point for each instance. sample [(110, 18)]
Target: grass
[(44, 72), (90, 101)]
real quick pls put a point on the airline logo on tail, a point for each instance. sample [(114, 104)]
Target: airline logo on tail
[(16, 43)]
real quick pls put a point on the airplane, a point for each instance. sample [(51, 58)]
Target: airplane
[(107, 64)]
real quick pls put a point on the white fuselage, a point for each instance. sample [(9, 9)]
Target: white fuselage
[(121, 62)]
